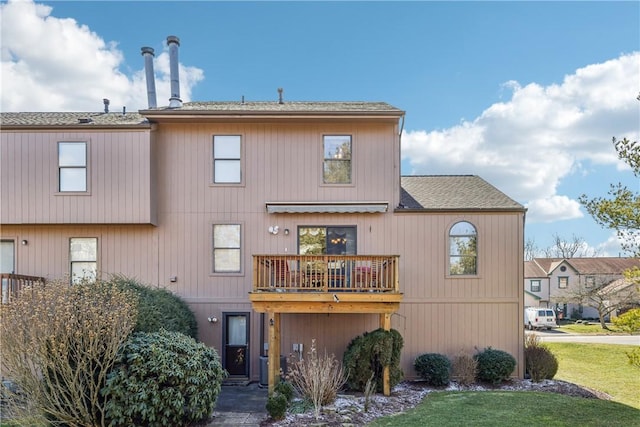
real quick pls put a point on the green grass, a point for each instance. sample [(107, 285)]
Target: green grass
[(592, 328), (499, 408), (603, 367)]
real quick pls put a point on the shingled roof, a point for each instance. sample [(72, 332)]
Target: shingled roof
[(201, 109), (453, 192), (72, 119), (590, 266)]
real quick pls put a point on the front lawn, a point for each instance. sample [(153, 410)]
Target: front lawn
[(603, 367), (500, 408), (591, 327)]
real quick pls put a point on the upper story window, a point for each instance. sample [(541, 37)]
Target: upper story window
[(227, 156), (226, 248), (535, 286), (83, 257), (563, 282), (463, 254), (72, 166), (327, 240), (590, 281), (337, 159)]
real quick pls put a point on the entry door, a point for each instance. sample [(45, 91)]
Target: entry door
[(7, 264), (236, 344)]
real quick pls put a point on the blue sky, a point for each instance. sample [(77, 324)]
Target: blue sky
[(525, 94)]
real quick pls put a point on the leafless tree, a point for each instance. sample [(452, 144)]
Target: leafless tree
[(607, 295), (576, 247)]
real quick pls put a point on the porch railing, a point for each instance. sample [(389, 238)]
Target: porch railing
[(326, 273), (12, 284)]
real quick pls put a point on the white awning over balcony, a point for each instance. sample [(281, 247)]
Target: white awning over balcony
[(327, 207)]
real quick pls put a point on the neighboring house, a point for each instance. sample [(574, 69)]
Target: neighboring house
[(556, 280), (278, 222), (536, 285)]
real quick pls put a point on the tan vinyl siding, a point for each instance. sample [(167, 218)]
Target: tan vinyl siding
[(118, 179), (282, 162)]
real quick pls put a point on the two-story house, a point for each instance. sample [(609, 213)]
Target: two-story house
[(560, 282), (278, 222)]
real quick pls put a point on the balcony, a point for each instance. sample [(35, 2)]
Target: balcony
[(325, 283), (366, 284), (12, 284)]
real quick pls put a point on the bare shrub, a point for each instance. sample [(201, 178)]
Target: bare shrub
[(59, 343), (317, 378), (369, 389), (464, 368)]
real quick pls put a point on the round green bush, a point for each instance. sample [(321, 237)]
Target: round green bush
[(540, 363), (277, 406), (494, 366), (162, 379), (286, 389), (434, 368), (368, 354), (159, 309)]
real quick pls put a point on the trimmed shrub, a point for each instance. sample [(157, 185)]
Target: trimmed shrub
[(433, 368), (286, 389), (540, 363), (163, 379), (494, 366), (277, 406), (367, 355), (159, 309), (59, 343), (464, 368)]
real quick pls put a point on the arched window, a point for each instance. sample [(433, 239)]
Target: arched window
[(463, 249)]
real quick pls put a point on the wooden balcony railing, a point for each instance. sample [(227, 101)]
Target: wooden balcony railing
[(326, 273), (12, 284)]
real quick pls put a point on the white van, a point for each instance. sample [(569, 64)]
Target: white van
[(538, 318)]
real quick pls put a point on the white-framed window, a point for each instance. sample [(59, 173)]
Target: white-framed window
[(563, 282), (72, 167), (227, 248), (227, 159), (83, 258), (463, 249), (535, 285), (337, 159)]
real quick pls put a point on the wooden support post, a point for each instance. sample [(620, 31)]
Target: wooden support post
[(385, 323), (274, 350)]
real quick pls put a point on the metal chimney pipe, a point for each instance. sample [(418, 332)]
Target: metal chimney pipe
[(173, 42), (105, 101), (147, 52)]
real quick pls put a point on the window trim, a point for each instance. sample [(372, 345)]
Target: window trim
[(590, 282), (86, 167), (560, 280), (241, 249), (351, 182), (96, 261), (538, 288), (212, 159), (449, 274)]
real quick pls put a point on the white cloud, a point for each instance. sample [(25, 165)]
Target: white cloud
[(55, 64), (554, 208), (529, 143), (612, 247)]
